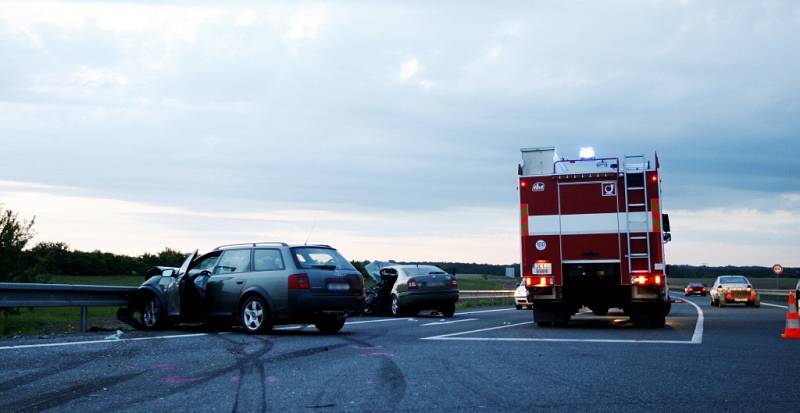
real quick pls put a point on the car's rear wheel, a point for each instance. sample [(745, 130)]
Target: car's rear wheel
[(449, 310), (519, 307), (151, 316), (329, 324), (255, 315)]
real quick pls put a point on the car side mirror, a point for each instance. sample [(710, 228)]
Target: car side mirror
[(665, 222), (169, 272), (667, 237)]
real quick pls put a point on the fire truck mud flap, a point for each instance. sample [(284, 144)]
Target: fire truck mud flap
[(547, 313), (649, 314)]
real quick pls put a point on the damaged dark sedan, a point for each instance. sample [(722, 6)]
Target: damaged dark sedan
[(405, 290), (256, 286)]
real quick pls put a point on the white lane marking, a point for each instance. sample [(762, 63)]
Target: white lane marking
[(446, 336), (77, 343), (697, 336), (775, 305), (379, 321), (441, 323), (487, 311)]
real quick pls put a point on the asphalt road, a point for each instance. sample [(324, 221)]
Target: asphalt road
[(706, 359)]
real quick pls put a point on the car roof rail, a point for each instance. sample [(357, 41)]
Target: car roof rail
[(313, 245), (251, 244)]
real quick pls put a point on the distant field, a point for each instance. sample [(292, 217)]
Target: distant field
[(486, 282)]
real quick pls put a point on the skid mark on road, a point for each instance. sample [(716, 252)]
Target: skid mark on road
[(697, 336)]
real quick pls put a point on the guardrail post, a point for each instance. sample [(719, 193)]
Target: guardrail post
[(84, 318)]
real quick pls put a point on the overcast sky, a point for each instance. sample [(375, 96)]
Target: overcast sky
[(393, 129)]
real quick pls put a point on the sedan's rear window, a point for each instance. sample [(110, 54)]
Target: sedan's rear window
[(733, 279), (423, 270), (322, 258)]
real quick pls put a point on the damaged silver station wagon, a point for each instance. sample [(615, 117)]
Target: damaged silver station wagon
[(255, 285)]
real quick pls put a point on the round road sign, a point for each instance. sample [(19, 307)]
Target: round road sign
[(777, 269)]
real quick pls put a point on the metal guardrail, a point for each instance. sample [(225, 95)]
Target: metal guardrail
[(65, 295), (484, 294)]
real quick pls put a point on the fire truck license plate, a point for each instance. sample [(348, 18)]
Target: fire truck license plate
[(542, 268)]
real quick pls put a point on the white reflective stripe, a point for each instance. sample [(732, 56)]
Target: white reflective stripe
[(577, 224), (589, 224), (543, 225)]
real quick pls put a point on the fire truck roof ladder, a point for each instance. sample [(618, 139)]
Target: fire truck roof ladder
[(635, 170)]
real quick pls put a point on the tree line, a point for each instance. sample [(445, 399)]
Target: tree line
[(21, 264)]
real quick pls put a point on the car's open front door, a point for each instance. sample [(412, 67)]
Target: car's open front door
[(173, 291)]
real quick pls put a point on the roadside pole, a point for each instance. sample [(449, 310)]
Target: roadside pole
[(777, 269)]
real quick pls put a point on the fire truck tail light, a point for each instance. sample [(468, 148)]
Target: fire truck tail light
[(538, 281), (648, 279), (654, 178)]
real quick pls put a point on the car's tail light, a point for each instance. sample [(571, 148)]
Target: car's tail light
[(299, 282), (411, 283), (357, 283), (704, 289)]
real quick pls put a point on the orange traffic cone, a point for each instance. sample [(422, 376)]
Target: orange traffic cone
[(792, 319)]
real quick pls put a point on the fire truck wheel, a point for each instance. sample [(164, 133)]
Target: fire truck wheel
[(639, 319), (658, 320)]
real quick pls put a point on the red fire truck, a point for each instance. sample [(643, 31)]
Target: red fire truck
[(593, 235)]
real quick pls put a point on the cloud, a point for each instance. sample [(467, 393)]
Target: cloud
[(341, 108), (306, 23), (791, 197), (408, 69)]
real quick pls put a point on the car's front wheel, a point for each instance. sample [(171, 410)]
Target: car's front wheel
[(329, 324), (151, 317), (255, 316)]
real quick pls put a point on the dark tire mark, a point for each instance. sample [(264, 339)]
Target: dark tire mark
[(60, 397)]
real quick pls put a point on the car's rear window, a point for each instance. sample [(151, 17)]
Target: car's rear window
[(423, 270), (323, 258), (733, 279)]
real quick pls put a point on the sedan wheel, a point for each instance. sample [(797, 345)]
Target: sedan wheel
[(395, 306), (151, 317), (255, 316)]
